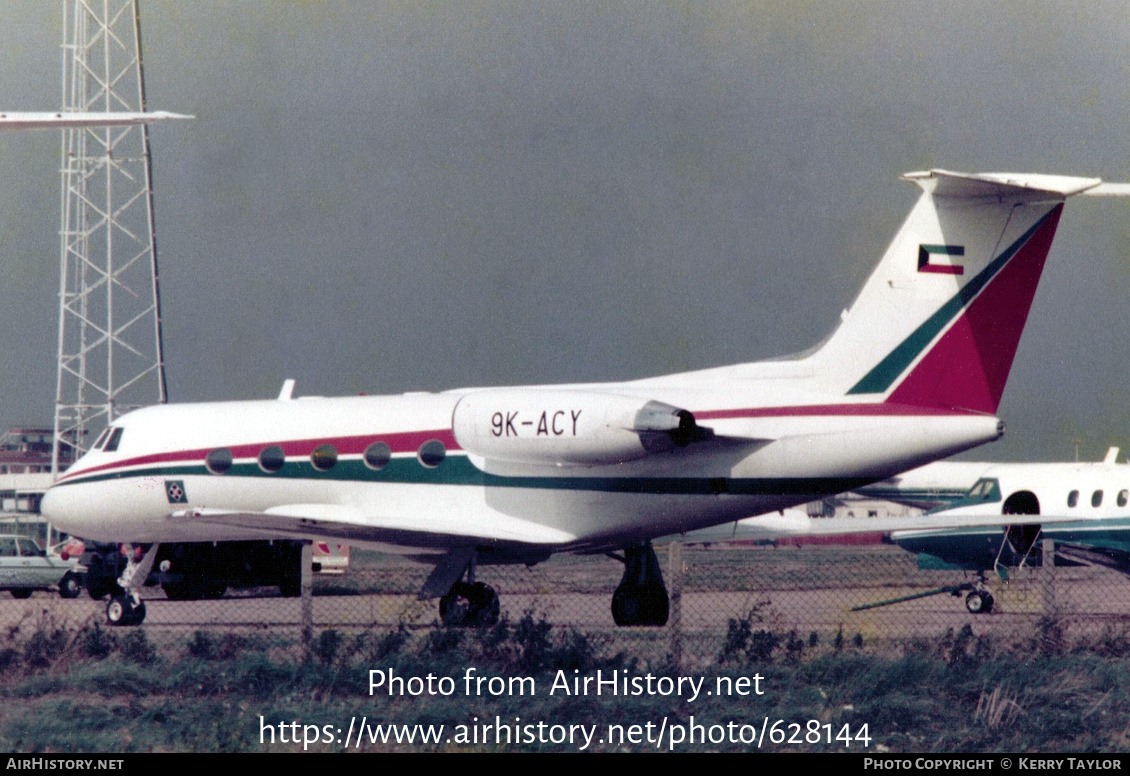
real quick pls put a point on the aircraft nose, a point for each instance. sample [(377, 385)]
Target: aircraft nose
[(59, 510)]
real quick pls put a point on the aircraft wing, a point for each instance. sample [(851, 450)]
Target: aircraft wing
[(793, 523), (350, 525)]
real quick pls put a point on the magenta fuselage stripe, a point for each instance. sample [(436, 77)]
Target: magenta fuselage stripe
[(402, 442), (831, 410)]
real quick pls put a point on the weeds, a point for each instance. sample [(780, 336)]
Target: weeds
[(135, 647), (997, 708)]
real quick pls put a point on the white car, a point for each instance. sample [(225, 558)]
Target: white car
[(24, 568)]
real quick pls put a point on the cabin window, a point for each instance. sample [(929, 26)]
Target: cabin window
[(272, 458), (219, 461), (431, 453), (377, 455), (1097, 498), (1123, 497), (1073, 498), (113, 442), (324, 457)]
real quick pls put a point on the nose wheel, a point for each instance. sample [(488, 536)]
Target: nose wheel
[(125, 609), (125, 606)]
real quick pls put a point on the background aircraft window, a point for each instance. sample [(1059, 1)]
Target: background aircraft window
[(1097, 498), (272, 458), (377, 455), (324, 457), (1123, 496), (113, 442), (219, 461), (431, 453), (1073, 498)]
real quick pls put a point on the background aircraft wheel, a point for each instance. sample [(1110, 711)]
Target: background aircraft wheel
[(123, 611), (979, 602), (21, 592), (70, 585)]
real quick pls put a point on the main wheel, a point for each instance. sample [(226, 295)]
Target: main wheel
[(455, 606), (640, 605), (485, 607), (625, 607), (70, 585), (21, 592), (979, 602)]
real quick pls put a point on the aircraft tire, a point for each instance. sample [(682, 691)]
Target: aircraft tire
[(121, 611), (485, 607), (979, 602), (70, 586), (469, 606), (21, 592), (455, 606), (640, 605)]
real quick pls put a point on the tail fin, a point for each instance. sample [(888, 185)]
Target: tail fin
[(939, 321)]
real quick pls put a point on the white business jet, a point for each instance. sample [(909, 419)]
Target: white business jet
[(480, 476)]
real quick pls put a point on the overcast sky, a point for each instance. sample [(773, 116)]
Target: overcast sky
[(382, 197)]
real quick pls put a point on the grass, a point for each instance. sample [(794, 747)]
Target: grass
[(85, 689)]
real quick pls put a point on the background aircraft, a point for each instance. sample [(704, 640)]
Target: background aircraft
[(914, 373), (1083, 507)]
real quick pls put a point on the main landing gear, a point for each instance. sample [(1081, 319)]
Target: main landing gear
[(641, 597), (469, 604)]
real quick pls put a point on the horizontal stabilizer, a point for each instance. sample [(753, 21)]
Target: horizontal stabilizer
[(945, 183)]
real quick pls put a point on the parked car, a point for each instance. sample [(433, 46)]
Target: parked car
[(25, 568)]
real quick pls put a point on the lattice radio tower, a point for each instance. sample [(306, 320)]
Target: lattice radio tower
[(110, 357)]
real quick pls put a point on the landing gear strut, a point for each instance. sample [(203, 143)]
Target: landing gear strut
[(641, 597)]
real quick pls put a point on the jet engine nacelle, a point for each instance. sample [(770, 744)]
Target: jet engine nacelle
[(568, 428)]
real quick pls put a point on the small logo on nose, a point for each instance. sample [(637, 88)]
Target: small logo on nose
[(174, 489)]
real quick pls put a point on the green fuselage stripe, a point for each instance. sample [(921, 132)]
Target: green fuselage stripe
[(458, 470)]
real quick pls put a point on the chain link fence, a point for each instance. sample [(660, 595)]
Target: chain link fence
[(727, 601)]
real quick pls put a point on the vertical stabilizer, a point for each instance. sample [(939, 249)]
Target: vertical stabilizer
[(938, 322)]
